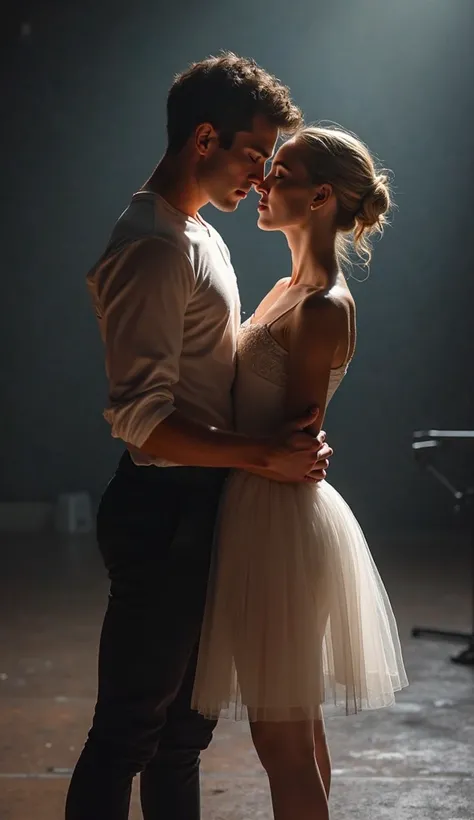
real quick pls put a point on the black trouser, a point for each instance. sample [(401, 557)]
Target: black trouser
[(155, 530)]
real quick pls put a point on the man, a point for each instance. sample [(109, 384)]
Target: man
[(168, 308)]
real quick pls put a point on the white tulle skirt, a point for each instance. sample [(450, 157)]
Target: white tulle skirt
[(297, 615)]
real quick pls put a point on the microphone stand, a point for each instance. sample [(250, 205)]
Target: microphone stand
[(425, 443)]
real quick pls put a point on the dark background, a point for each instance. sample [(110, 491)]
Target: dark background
[(83, 101)]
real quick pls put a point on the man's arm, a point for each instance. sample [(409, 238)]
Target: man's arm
[(182, 441), (143, 294)]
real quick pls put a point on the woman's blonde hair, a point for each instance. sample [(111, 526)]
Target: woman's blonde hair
[(339, 158)]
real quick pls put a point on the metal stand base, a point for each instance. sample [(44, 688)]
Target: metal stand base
[(464, 658)]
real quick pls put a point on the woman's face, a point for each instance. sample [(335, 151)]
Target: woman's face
[(287, 192)]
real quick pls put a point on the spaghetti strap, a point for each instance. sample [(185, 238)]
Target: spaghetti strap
[(287, 310)]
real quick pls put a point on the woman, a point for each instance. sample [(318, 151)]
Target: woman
[(297, 615)]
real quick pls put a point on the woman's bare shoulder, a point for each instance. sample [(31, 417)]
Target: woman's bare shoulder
[(327, 303), (325, 317), (336, 304)]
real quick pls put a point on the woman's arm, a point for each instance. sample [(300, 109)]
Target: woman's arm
[(319, 330)]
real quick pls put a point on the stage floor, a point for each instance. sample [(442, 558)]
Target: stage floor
[(414, 761)]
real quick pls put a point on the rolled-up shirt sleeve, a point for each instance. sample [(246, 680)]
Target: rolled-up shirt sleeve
[(142, 296)]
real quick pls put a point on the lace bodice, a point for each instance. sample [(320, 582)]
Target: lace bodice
[(259, 388)]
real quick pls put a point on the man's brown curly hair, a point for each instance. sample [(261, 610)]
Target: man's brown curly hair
[(227, 91)]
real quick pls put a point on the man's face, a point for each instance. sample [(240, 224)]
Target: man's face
[(227, 175)]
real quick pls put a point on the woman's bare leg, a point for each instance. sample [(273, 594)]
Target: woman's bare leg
[(321, 751), (287, 753)]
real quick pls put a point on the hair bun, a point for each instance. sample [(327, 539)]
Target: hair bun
[(375, 204)]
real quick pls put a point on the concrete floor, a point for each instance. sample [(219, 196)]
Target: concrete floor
[(412, 762)]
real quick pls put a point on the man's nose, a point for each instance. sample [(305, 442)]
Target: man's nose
[(257, 175)]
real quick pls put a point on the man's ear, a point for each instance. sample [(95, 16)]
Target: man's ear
[(206, 138)]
